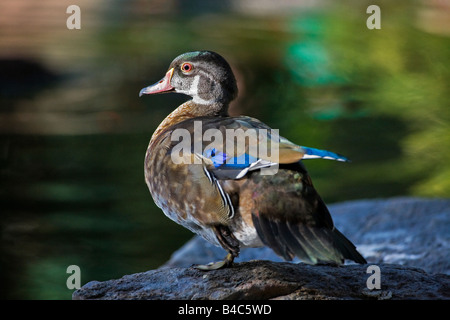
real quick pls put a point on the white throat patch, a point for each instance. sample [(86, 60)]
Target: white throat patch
[(194, 89)]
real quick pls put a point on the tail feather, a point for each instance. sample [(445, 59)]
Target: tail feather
[(319, 240), (347, 248), (271, 237), (310, 244), (295, 248)]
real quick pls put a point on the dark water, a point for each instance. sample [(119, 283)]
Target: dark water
[(74, 132)]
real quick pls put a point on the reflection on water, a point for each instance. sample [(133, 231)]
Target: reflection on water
[(78, 200), (74, 132)]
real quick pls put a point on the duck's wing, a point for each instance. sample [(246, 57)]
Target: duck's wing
[(237, 145)]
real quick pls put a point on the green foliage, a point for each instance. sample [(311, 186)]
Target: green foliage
[(401, 72)]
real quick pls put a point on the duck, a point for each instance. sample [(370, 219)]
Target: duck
[(213, 173)]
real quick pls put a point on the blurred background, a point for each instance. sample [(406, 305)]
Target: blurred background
[(73, 132)]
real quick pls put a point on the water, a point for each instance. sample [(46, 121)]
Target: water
[(63, 206), (73, 132)]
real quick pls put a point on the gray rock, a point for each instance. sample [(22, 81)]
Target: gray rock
[(407, 231), (401, 235), (271, 280)]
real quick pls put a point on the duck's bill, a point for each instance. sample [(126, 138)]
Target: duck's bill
[(161, 86)]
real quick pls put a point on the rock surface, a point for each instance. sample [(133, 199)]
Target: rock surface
[(271, 280), (399, 235), (407, 231)]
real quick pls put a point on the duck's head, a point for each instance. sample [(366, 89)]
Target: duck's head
[(203, 75)]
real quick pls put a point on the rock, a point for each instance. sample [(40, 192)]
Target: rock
[(401, 236), (271, 280), (407, 231)]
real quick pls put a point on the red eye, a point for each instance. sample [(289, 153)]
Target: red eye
[(186, 67)]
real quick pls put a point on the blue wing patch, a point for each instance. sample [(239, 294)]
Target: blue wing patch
[(312, 153), (220, 160)]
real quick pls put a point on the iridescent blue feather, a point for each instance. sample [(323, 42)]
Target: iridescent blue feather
[(312, 153)]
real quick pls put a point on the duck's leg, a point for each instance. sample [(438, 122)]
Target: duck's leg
[(229, 243)]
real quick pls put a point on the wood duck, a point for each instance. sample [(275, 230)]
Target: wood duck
[(223, 194)]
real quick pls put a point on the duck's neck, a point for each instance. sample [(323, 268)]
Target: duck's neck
[(189, 110)]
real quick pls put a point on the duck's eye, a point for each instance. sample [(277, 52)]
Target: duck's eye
[(186, 67)]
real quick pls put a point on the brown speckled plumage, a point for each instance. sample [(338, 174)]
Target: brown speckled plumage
[(238, 206)]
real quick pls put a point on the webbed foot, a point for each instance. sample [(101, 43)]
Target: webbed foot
[(227, 262)]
